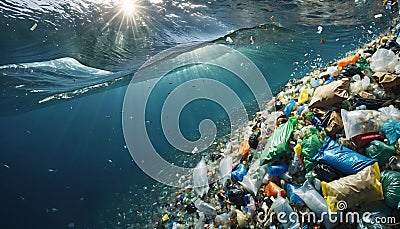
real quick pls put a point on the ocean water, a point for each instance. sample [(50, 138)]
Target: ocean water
[(65, 67)]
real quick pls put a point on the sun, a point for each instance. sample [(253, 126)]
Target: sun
[(128, 7)]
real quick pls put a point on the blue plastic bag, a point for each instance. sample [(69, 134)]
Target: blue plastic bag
[(391, 129), (239, 173), (341, 158), (277, 170), (295, 199), (289, 107)]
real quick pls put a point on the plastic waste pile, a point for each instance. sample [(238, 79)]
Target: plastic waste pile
[(328, 143)]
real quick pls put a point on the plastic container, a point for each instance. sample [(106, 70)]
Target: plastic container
[(315, 82)]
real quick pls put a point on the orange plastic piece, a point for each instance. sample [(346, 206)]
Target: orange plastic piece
[(271, 189), (348, 60), (244, 148)]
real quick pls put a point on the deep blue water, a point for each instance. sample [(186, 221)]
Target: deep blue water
[(65, 160)]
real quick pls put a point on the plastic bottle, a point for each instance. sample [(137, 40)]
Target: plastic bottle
[(303, 98), (239, 173), (285, 213), (289, 107), (204, 207), (277, 170), (295, 165), (316, 121), (315, 82), (329, 80)]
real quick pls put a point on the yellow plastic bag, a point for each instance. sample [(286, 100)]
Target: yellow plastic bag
[(303, 98), (349, 191)]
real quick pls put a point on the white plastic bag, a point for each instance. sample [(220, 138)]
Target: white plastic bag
[(361, 121), (384, 60), (390, 112), (254, 177), (225, 169), (281, 206), (314, 201), (200, 179)]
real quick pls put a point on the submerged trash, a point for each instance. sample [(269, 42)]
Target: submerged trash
[(327, 142)]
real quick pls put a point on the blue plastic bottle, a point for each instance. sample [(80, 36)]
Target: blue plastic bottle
[(239, 173)]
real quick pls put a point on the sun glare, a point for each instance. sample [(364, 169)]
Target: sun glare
[(128, 7)]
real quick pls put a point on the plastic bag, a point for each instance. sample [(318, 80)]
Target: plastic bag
[(236, 196), (277, 144), (358, 188), (200, 179), (386, 80), (253, 140), (225, 169), (241, 218), (293, 198), (334, 124), (342, 158), (364, 139), (310, 145), (361, 122), (314, 201), (330, 94), (348, 60), (390, 112), (239, 173), (244, 148), (372, 211), (272, 189), (391, 187), (370, 104), (281, 206), (277, 170), (253, 179), (391, 129), (326, 173), (380, 151), (384, 60)]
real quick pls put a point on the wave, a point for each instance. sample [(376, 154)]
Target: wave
[(54, 50)]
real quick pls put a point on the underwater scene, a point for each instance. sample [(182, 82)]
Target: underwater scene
[(199, 114)]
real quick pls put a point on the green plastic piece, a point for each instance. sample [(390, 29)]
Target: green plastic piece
[(309, 148), (380, 151), (277, 144), (391, 187)]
